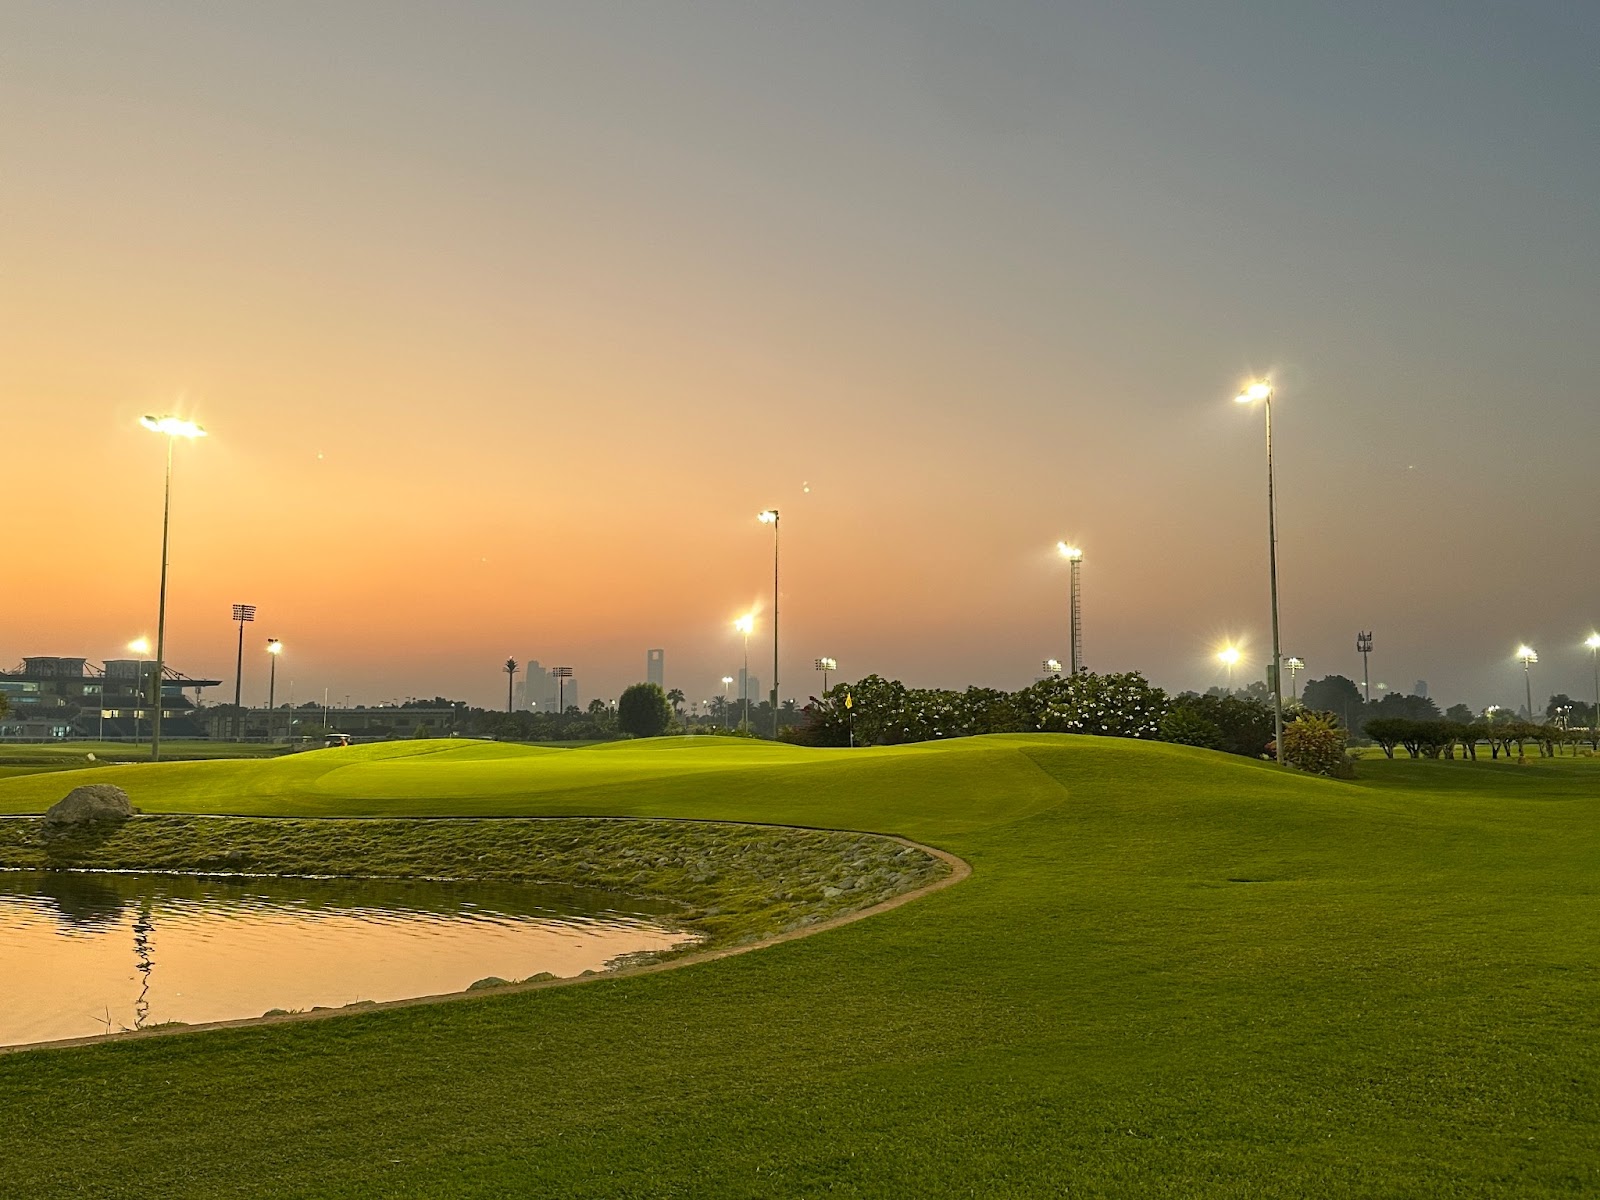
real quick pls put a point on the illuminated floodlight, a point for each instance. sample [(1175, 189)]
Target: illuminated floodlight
[(172, 426), (727, 681), (274, 646), (140, 645), (1070, 553), (770, 517), (1261, 389), (1526, 655), (1052, 666), (827, 664), (1228, 656), (1592, 641), (745, 624)]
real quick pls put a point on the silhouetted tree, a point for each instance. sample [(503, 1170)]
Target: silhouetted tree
[(643, 710)]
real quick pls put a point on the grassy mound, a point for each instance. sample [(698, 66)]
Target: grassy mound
[(731, 884), (1172, 973)]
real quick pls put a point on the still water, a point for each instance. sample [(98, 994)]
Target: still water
[(84, 952)]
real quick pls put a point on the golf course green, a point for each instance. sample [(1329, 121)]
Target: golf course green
[(1171, 972)]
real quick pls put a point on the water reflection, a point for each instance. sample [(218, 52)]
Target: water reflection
[(231, 948)]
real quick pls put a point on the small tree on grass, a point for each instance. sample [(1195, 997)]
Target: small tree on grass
[(1314, 742), (643, 710)]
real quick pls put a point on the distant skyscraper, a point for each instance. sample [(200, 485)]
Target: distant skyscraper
[(655, 666), (540, 689), (748, 688), (1420, 688)]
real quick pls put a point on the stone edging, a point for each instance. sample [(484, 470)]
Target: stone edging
[(959, 870)]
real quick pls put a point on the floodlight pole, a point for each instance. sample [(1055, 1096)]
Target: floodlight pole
[(242, 613), (1272, 560), (161, 616)]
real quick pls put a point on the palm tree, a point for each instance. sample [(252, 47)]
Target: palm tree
[(675, 698), (511, 676)]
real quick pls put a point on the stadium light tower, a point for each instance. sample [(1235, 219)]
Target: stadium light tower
[(1364, 648), (1229, 657), (172, 428), (744, 625), (1075, 606), (1593, 642), (770, 517), (274, 648), (1294, 666), (1262, 390), (825, 665), (242, 613), (1528, 657)]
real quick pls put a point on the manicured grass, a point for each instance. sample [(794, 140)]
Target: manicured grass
[(1171, 973), (33, 758)]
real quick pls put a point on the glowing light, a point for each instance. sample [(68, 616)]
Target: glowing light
[(1052, 666), (274, 646), (769, 517), (1526, 654), (1592, 641), (745, 624), (140, 645), (1259, 390), (172, 426), (1070, 553), (727, 681), (1228, 656)]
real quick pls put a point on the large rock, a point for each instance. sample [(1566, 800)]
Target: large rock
[(90, 803)]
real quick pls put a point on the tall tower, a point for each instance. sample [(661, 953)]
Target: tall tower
[(655, 667), (1074, 557)]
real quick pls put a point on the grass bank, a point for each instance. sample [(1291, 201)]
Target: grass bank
[(733, 883), (1171, 973)]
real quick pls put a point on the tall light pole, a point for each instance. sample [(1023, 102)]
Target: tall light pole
[(770, 517), (825, 665), (744, 625), (172, 428), (1229, 656), (1528, 657), (1074, 556), (562, 674), (274, 648), (1364, 648), (1262, 390), (1593, 642), (242, 613), (1294, 666), (727, 689)]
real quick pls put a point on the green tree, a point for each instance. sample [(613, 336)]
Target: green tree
[(1338, 695), (644, 710), (675, 698)]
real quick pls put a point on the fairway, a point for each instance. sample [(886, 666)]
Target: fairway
[(1171, 972)]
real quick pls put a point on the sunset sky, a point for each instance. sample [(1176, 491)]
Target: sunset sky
[(506, 320)]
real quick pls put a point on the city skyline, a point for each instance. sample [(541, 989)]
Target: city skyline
[(504, 340)]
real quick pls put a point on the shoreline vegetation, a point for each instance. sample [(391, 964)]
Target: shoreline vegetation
[(730, 883)]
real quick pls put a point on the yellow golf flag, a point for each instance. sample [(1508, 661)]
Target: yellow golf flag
[(848, 702)]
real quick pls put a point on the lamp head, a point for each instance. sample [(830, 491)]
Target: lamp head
[(274, 646), (770, 517), (1526, 654), (1592, 641), (1070, 553), (1052, 666), (1261, 389), (745, 623), (1229, 655), (140, 645), (172, 426), (726, 680)]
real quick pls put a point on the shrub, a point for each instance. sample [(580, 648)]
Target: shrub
[(1184, 726), (1314, 742)]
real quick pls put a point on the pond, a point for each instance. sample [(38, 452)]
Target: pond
[(90, 952)]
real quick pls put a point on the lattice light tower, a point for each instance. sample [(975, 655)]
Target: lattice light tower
[(562, 674), (1074, 556), (243, 614), (1364, 647)]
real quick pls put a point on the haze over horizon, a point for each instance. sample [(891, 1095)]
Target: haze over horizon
[(505, 320)]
